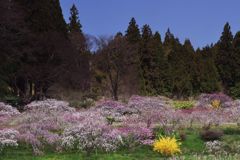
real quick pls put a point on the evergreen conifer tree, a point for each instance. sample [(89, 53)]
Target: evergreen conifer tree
[(133, 33), (225, 57), (74, 25)]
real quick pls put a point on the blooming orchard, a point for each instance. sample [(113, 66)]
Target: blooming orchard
[(109, 125)]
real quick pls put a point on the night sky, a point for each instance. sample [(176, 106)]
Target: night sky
[(201, 21)]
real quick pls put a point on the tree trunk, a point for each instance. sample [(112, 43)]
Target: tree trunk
[(30, 89)]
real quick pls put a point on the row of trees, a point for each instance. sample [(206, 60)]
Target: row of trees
[(156, 67), (39, 50)]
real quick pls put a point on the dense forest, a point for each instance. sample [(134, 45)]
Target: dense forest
[(41, 55)]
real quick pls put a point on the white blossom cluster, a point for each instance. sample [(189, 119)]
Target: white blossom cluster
[(7, 110), (215, 147), (89, 137), (50, 105), (8, 138)]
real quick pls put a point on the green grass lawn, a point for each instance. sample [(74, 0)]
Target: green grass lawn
[(139, 154), (193, 143), (192, 149)]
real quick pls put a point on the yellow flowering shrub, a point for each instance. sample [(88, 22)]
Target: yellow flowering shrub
[(167, 146), (216, 104)]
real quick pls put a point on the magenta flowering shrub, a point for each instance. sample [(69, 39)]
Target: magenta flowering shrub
[(8, 138)]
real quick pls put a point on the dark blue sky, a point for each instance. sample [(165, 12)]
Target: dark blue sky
[(201, 21)]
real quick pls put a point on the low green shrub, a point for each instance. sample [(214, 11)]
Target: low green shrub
[(85, 103), (235, 91), (183, 104), (231, 131), (12, 100), (231, 143)]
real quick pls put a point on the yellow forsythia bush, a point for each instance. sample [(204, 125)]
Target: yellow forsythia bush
[(216, 104), (167, 146)]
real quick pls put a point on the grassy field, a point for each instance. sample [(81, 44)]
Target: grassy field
[(192, 147)]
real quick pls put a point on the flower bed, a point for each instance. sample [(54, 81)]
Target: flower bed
[(110, 125)]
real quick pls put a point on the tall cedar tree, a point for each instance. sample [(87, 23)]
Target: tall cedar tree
[(189, 57), (13, 30), (207, 74), (235, 90), (169, 42), (236, 45), (74, 24), (225, 58), (133, 33), (146, 61), (133, 38), (41, 44), (46, 62), (180, 79), (160, 65), (175, 79), (79, 74)]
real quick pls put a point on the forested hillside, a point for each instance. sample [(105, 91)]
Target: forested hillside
[(41, 52)]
